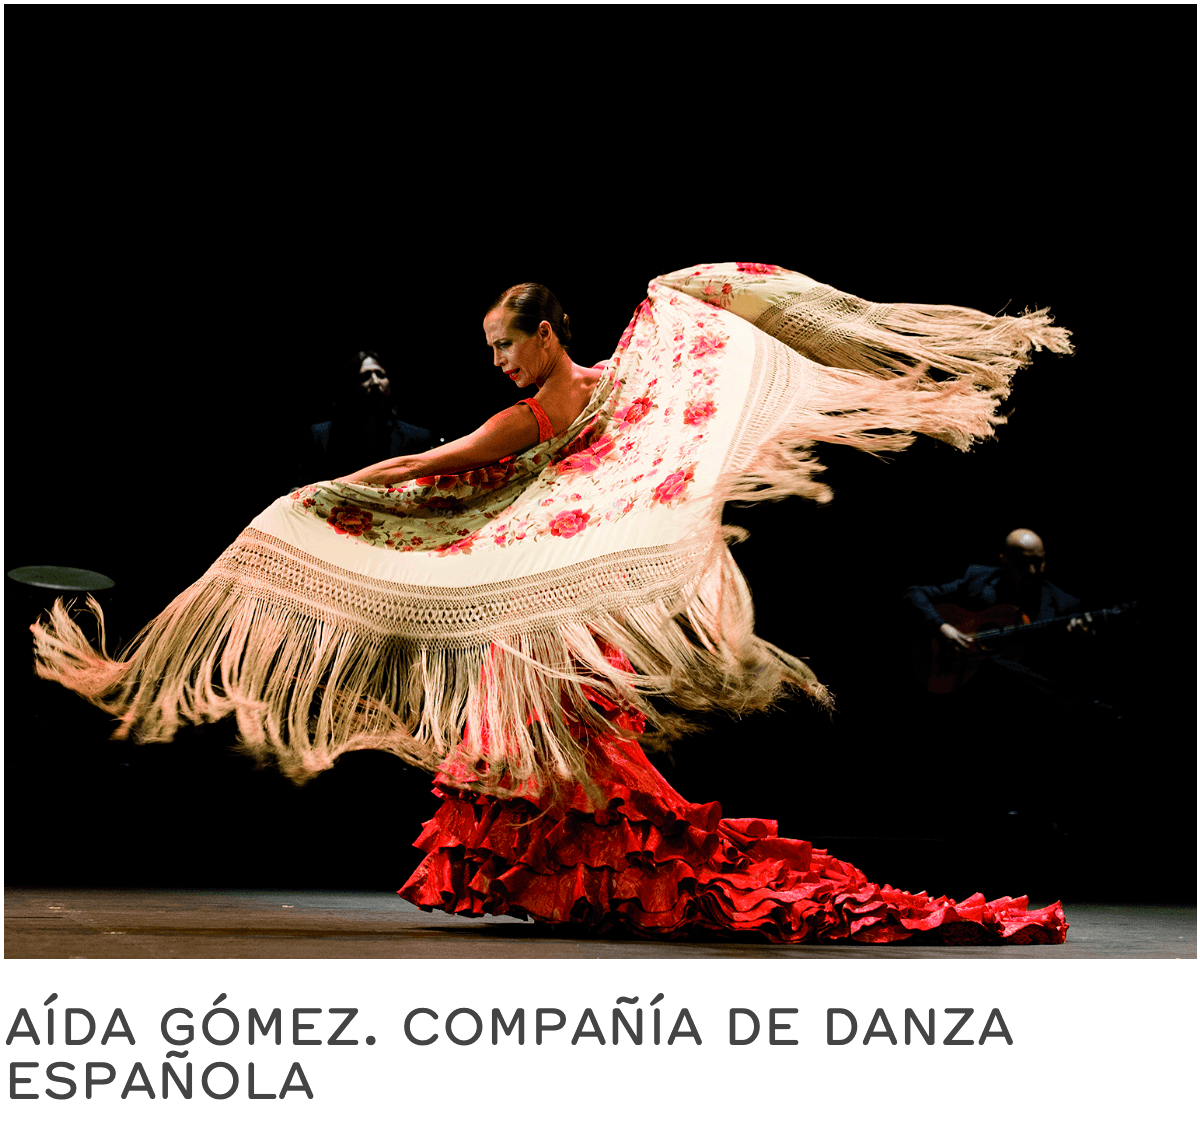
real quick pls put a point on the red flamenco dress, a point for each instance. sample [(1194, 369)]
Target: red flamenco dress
[(647, 862)]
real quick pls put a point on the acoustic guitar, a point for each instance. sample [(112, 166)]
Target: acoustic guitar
[(1000, 630)]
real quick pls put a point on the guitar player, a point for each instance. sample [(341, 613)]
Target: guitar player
[(1016, 704), (1019, 581)]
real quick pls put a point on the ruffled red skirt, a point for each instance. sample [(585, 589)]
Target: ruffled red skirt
[(646, 862)]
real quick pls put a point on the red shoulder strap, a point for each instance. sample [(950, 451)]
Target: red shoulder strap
[(545, 427)]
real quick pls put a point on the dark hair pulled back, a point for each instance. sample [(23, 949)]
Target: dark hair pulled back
[(531, 303)]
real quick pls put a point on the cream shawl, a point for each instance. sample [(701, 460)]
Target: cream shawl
[(458, 621)]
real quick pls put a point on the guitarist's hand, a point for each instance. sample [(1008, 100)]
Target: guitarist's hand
[(1081, 624), (957, 639)]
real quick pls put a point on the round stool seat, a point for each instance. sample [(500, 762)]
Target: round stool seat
[(61, 579)]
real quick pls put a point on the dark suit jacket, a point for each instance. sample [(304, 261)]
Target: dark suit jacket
[(351, 451), (981, 588), (404, 438)]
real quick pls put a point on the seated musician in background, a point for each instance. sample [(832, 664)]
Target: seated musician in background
[(1018, 582), (1014, 704), (366, 427)]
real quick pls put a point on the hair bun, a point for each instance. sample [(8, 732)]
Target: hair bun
[(530, 304)]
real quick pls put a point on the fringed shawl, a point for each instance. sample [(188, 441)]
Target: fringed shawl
[(458, 621)]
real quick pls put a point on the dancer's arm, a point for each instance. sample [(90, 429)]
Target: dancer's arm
[(508, 432)]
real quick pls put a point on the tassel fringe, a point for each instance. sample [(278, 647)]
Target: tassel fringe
[(842, 331), (214, 653), (307, 684)]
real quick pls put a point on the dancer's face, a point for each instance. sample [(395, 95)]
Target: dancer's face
[(523, 358)]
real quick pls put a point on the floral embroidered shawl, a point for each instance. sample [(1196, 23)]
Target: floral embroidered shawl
[(457, 620)]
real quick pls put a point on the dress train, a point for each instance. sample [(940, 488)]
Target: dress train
[(643, 860)]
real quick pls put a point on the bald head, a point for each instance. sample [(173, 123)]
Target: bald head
[(1023, 540), (1023, 558)]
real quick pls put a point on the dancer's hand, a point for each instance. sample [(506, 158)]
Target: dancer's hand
[(511, 431)]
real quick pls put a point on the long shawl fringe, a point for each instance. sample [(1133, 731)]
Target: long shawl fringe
[(306, 687)]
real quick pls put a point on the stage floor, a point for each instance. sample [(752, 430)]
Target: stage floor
[(131, 924)]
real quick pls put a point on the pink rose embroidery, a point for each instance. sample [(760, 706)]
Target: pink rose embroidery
[(589, 459), (706, 343), (642, 313), (568, 523), (463, 546), (637, 411), (578, 443), (672, 487), (757, 268), (349, 520), (447, 504), (489, 476), (723, 299), (696, 413)]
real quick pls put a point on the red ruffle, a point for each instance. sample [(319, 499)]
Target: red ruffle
[(650, 863)]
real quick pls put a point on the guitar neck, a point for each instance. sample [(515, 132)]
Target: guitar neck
[(1044, 624)]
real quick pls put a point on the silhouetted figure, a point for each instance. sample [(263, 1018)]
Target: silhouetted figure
[(366, 427), (1003, 706), (1019, 586)]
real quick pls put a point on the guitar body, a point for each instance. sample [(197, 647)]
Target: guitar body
[(942, 668)]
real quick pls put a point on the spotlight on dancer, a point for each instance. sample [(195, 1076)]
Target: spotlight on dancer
[(516, 610)]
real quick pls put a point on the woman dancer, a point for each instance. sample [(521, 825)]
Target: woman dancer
[(511, 609)]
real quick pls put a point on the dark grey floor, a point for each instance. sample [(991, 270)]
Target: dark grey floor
[(287, 924)]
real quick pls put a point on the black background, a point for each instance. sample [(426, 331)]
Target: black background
[(203, 230)]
